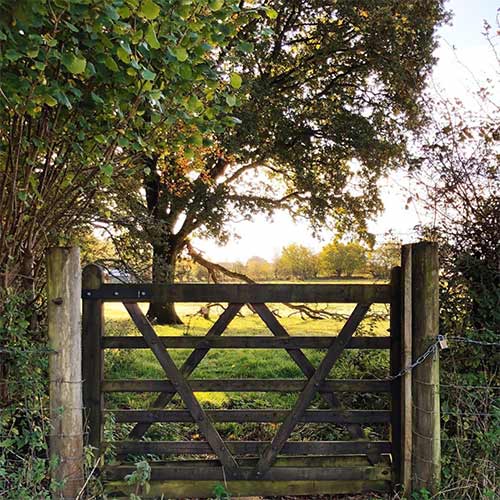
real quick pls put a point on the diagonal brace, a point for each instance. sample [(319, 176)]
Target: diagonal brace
[(334, 351), (185, 392), (188, 367), (303, 363)]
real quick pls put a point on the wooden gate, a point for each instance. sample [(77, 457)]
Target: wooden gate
[(277, 467)]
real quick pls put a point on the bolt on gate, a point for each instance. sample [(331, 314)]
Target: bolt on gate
[(282, 465)]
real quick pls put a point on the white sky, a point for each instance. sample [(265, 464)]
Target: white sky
[(452, 75)]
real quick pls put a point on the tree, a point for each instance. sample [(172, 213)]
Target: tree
[(328, 90), (337, 259), (297, 261), (86, 87), (383, 258), (456, 170), (259, 269)]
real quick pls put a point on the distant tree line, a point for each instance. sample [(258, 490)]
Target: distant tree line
[(298, 262)]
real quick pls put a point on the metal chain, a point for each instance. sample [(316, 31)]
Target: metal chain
[(439, 343), (471, 341), (430, 350)]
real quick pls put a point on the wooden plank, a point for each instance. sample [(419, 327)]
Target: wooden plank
[(65, 370), (406, 360), (282, 461), (92, 356), (251, 415), (191, 363), (245, 385), (246, 342), (395, 367), (183, 389), (307, 394), (205, 489), (244, 293), (200, 473), (250, 447), (302, 362), (425, 377)]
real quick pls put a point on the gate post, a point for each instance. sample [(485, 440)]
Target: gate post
[(395, 367), (93, 357), (406, 360), (425, 377), (65, 368)]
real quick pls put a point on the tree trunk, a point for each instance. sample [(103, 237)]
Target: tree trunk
[(164, 262), (165, 248)]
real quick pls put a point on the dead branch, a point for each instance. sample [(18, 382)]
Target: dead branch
[(305, 311)]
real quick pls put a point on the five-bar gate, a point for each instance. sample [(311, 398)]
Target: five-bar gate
[(280, 466)]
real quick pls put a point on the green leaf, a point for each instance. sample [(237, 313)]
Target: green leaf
[(245, 47), (151, 38), (137, 37), (13, 55), (122, 55), (74, 64), (185, 71), (194, 104), (63, 99), (212, 84), (72, 27), (196, 140), (184, 11), (149, 9), (271, 13), (90, 71), (236, 81), (111, 13), (49, 100), (111, 64), (180, 53), (96, 98), (148, 75), (215, 4), (22, 195), (107, 170), (123, 12), (231, 100)]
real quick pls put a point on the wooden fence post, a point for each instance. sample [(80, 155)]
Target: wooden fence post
[(425, 377), (65, 368), (406, 360), (93, 356)]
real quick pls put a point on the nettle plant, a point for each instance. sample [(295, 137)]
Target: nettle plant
[(87, 86)]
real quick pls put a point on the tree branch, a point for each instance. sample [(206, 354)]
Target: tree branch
[(305, 311)]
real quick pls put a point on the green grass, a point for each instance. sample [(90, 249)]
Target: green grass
[(246, 363)]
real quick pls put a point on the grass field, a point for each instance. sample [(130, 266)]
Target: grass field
[(246, 363)]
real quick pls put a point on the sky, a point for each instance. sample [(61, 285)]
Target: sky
[(462, 51)]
